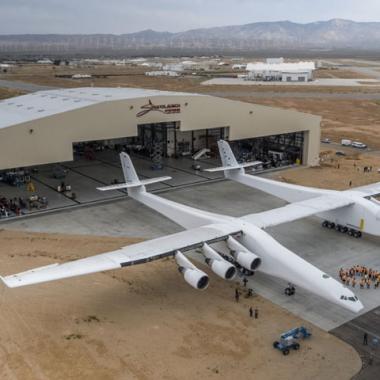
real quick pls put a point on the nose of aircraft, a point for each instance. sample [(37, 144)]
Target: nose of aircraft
[(354, 306)]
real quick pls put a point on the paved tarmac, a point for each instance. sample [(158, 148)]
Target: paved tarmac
[(324, 82), (300, 95), (326, 249), (353, 332)]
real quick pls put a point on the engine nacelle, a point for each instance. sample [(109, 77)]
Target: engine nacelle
[(248, 260), (245, 258), (196, 278), (218, 265), (223, 269), (192, 275)]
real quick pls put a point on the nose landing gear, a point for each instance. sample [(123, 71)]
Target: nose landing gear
[(343, 229)]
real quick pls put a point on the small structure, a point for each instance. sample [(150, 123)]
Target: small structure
[(81, 76), (163, 73)]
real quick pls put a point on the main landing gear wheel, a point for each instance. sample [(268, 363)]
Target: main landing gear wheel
[(343, 229)]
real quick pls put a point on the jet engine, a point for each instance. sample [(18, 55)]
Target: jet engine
[(192, 275), (245, 258), (218, 265)]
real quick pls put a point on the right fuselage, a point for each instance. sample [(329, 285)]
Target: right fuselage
[(363, 215)]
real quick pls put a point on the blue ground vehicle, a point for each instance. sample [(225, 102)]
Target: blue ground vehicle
[(288, 340)]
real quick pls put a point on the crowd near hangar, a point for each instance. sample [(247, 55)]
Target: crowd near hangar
[(44, 127)]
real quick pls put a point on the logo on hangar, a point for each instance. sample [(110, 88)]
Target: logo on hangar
[(163, 108)]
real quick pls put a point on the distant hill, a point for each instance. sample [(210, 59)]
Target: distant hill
[(272, 36)]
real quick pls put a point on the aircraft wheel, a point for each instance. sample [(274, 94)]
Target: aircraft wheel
[(325, 224), (344, 230), (285, 352), (296, 346), (350, 232), (338, 228), (275, 344), (357, 234)]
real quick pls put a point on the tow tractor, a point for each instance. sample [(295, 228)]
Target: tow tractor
[(288, 340)]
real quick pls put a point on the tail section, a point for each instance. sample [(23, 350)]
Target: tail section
[(186, 216), (226, 154), (229, 161), (131, 178), (234, 171), (129, 171)]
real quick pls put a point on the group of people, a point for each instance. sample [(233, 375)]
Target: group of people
[(360, 275), (11, 206)]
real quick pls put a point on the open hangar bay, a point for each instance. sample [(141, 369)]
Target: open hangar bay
[(80, 132), (326, 249)]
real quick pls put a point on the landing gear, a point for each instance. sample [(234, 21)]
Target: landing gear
[(343, 229), (290, 290)]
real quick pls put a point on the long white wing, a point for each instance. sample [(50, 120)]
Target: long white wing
[(297, 210), (130, 255), (369, 190)]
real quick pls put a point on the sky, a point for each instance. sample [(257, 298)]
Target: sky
[(126, 16)]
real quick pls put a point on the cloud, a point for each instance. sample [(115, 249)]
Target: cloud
[(125, 16)]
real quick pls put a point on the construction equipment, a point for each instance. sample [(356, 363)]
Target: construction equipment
[(289, 339)]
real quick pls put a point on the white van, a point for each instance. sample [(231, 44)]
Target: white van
[(346, 142), (359, 145)]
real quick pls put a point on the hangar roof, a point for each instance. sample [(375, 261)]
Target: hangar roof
[(46, 103)]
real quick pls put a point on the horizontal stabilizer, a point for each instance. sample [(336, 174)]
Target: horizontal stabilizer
[(234, 167), (138, 183)]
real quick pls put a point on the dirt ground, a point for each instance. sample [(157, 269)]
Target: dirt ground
[(6, 93), (336, 172), (144, 323), (339, 73), (133, 76), (351, 119)]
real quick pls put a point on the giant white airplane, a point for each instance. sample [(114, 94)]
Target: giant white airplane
[(248, 246), (351, 211)]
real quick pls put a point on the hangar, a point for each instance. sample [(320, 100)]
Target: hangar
[(44, 127)]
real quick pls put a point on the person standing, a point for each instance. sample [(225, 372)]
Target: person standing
[(245, 282), (256, 313), (250, 312), (237, 295), (365, 339)]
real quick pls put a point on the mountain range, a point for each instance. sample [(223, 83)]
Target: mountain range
[(281, 35)]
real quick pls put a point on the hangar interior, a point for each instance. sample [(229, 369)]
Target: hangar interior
[(70, 139)]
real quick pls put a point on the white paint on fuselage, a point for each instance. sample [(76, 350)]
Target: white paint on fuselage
[(277, 260), (363, 215)]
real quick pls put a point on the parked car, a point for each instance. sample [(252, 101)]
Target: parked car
[(359, 145), (340, 153), (326, 141), (346, 142)]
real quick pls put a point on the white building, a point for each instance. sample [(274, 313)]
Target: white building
[(239, 66), (163, 73), (174, 67), (281, 71)]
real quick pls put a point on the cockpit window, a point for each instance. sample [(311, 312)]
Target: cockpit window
[(345, 298)]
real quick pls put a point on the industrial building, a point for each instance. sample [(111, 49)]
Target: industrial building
[(47, 127), (275, 69)]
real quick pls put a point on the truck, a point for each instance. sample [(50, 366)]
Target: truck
[(346, 142)]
